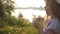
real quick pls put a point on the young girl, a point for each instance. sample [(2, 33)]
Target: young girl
[(52, 20)]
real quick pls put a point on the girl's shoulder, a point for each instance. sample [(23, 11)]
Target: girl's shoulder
[(54, 24)]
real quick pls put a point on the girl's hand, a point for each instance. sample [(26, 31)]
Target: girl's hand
[(36, 23)]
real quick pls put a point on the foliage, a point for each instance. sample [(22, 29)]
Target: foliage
[(6, 7), (12, 25)]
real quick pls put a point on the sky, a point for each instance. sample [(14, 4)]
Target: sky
[(28, 13)]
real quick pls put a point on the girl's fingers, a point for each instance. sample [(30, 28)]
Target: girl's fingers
[(36, 23)]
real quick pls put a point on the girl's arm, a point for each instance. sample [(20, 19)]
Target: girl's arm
[(37, 26), (40, 30), (49, 31)]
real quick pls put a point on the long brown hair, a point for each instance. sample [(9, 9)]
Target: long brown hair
[(55, 7)]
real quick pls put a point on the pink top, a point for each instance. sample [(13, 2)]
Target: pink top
[(52, 24)]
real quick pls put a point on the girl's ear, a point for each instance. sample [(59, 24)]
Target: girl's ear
[(58, 1)]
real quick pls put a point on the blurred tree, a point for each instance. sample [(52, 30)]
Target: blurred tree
[(20, 16), (1, 10), (6, 7)]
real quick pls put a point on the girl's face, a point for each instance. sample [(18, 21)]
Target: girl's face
[(48, 10)]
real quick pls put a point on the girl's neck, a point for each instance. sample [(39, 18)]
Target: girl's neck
[(50, 17)]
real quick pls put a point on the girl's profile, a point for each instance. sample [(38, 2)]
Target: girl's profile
[(52, 20)]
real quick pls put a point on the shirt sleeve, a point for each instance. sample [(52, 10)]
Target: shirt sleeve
[(53, 25)]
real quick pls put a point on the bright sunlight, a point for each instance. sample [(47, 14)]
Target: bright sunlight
[(28, 13)]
